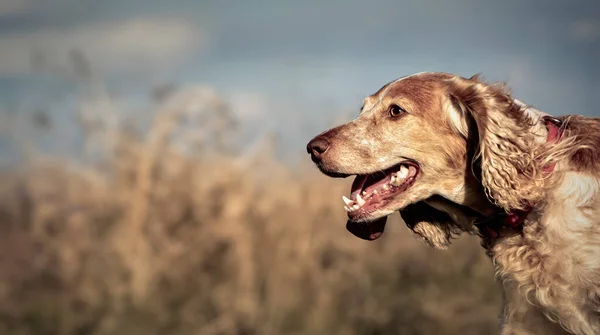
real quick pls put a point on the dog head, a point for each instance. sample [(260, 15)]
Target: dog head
[(442, 149)]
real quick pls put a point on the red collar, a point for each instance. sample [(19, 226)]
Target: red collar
[(492, 229)]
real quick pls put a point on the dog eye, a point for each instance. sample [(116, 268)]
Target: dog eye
[(396, 110)]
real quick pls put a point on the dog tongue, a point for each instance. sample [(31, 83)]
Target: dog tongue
[(369, 231)]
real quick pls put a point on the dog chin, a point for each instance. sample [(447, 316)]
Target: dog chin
[(370, 226)]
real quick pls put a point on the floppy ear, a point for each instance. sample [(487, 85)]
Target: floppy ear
[(435, 227), (505, 145)]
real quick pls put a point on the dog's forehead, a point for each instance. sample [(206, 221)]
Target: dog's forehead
[(372, 100), (403, 84), (414, 86)]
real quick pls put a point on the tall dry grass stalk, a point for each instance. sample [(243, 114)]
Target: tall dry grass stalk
[(168, 240)]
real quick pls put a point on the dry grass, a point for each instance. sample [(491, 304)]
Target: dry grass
[(162, 240)]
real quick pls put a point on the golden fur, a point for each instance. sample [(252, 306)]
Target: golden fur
[(480, 152)]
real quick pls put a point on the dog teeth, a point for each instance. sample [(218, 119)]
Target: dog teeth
[(403, 173), (396, 181), (360, 200), (353, 205), (399, 177)]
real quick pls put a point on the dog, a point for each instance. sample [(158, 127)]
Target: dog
[(456, 155)]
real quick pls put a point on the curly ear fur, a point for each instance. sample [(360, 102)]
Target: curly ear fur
[(510, 153)]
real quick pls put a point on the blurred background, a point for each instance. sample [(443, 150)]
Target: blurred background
[(153, 176)]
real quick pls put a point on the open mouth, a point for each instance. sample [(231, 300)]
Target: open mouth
[(373, 192)]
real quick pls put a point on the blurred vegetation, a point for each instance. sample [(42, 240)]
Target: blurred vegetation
[(176, 232)]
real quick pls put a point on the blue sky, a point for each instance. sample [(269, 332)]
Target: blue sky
[(293, 67)]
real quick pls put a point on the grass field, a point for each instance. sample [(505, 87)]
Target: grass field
[(163, 238)]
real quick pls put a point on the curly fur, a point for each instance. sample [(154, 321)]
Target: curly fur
[(511, 157), (553, 266), (482, 152)]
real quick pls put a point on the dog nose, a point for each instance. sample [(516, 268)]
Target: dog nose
[(317, 147)]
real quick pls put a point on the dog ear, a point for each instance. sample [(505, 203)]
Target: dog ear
[(506, 149), (435, 227)]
